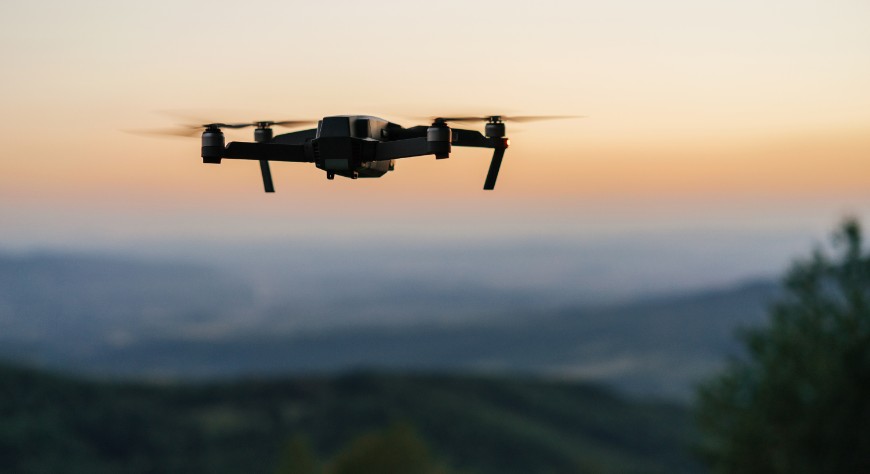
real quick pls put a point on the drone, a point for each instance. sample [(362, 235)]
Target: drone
[(355, 146)]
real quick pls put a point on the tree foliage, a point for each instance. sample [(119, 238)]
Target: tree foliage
[(299, 458), (315, 425), (396, 450), (799, 401)]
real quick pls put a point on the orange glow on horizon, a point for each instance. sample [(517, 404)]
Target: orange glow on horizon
[(684, 101), (534, 167)]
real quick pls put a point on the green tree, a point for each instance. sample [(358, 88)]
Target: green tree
[(298, 458), (799, 401), (395, 450)]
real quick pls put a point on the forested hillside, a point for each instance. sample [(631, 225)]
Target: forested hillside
[(54, 423)]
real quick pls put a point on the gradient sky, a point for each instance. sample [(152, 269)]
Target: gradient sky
[(734, 115)]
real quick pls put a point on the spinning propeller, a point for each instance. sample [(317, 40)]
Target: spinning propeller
[(495, 128), (186, 130), (263, 133), (504, 118)]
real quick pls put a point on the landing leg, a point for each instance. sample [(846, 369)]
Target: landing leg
[(267, 176), (494, 166)]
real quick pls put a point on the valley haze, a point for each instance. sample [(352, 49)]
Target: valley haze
[(644, 315)]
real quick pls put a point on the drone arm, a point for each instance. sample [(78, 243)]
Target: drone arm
[(390, 150), (267, 152), (472, 138), (476, 139), (408, 148), (295, 138)]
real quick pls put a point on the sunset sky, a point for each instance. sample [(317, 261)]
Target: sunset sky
[(724, 115)]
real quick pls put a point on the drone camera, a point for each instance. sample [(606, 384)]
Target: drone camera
[(212, 145)]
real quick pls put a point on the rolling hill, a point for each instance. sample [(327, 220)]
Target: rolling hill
[(170, 320), (55, 423)]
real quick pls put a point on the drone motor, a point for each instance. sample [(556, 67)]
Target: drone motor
[(439, 137), (263, 132), (494, 127), (212, 145)]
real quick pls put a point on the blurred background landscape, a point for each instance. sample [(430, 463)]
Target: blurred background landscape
[(157, 314), (161, 318)]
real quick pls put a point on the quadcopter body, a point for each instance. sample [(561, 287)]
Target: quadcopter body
[(354, 146)]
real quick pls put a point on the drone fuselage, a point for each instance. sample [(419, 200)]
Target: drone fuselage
[(345, 145), (353, 146)]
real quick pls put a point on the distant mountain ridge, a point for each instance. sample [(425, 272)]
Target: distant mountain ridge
[(114, 316), (71, 298)]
